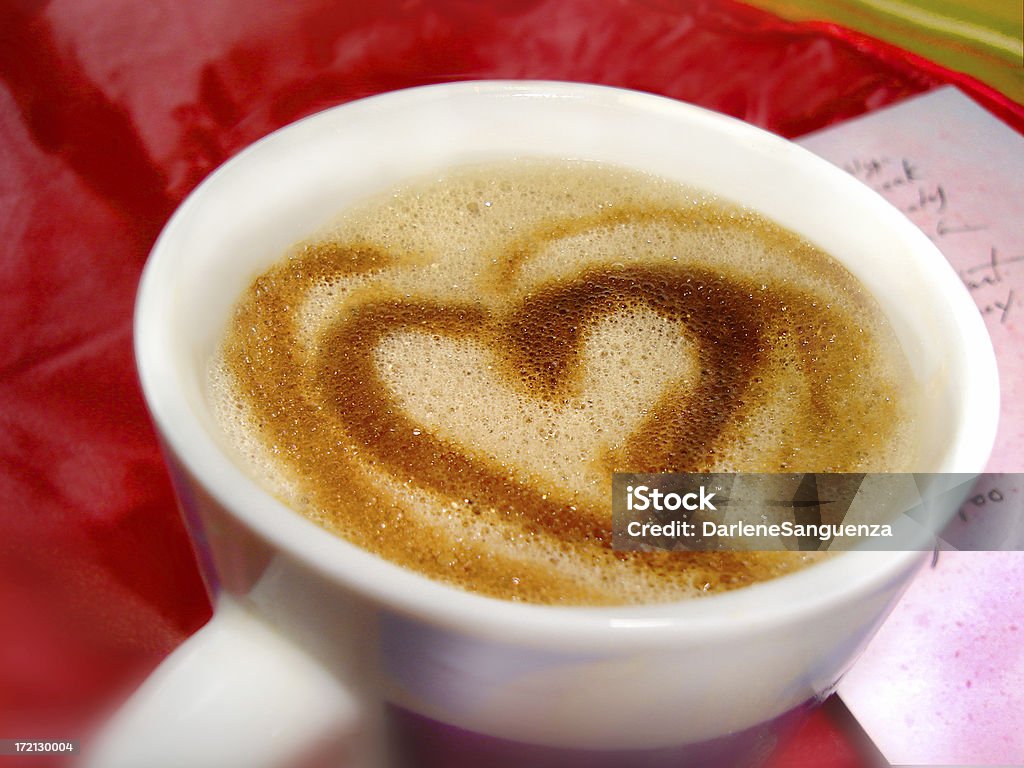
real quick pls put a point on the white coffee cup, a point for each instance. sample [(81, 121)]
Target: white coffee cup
[(311, 635)]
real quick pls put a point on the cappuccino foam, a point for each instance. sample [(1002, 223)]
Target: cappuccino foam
[(449, 375)]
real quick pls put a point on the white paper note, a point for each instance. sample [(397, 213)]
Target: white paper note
[(943, 681)]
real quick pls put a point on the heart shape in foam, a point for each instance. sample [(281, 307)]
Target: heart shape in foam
[(538, 349), (350, 436)]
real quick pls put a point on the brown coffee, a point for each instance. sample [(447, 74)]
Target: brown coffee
[(450, 375)]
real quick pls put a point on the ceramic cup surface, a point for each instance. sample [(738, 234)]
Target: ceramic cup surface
[(371, 634)]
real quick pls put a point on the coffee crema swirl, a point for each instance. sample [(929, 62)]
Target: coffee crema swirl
[(450, 376)]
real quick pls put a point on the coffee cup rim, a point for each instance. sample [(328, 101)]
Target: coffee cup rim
[(803, 593)]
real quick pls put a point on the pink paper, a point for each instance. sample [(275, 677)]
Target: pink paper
[(943, 681)]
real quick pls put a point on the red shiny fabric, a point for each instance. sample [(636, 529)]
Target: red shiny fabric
[(111, 111)]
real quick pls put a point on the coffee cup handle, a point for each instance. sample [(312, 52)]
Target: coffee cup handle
[(237, 693)]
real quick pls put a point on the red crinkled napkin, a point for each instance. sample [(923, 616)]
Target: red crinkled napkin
[(111, 111)]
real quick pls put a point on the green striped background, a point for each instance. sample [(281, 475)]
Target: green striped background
[(982, 38)]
